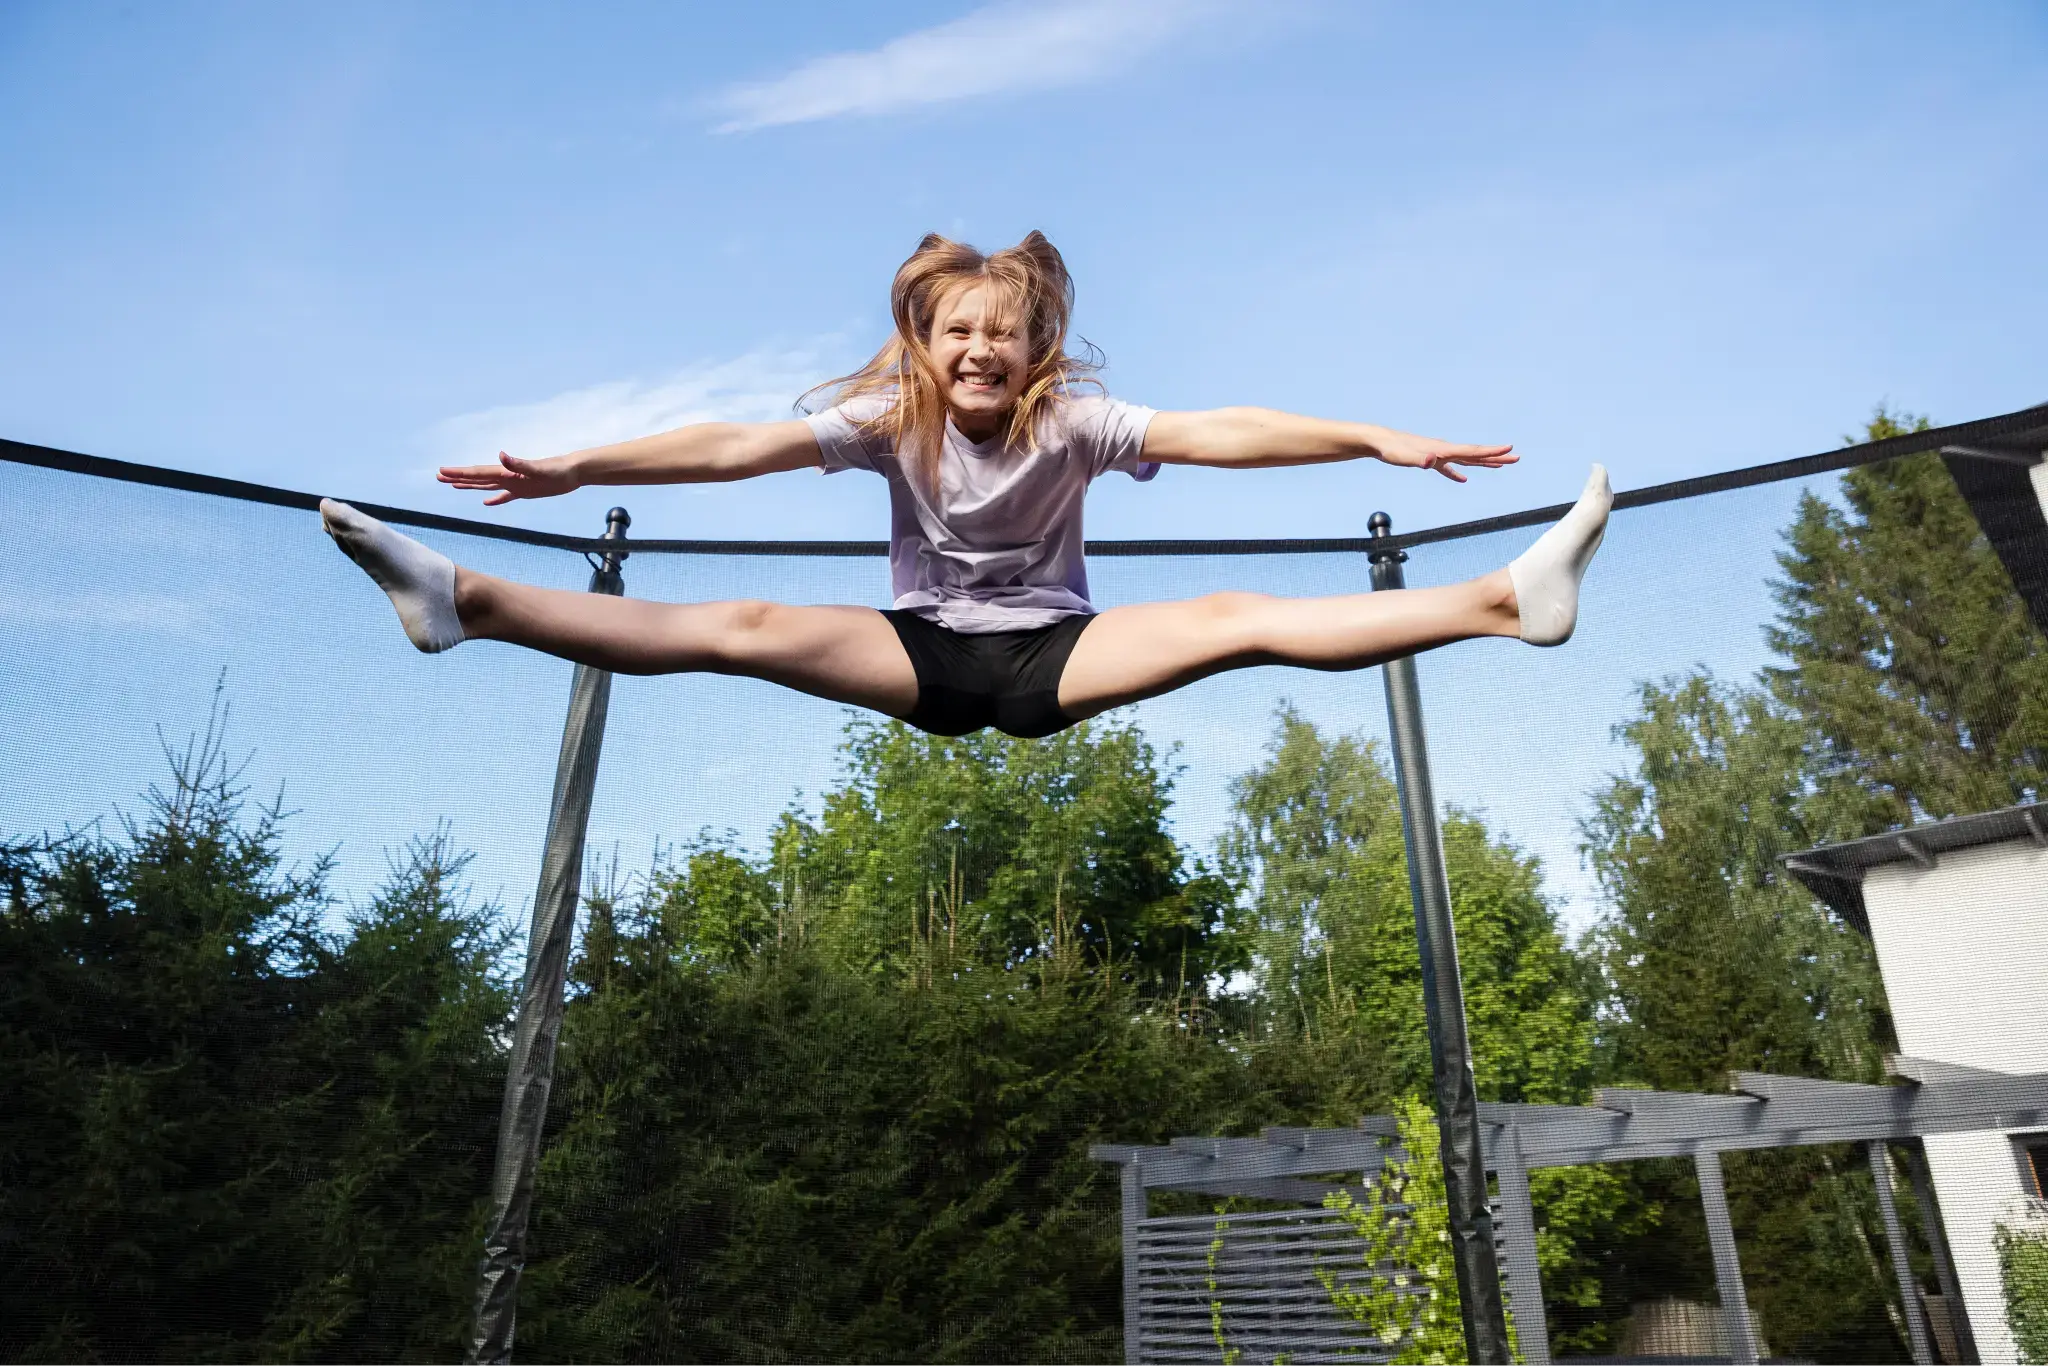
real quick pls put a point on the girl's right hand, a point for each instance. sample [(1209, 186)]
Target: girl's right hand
[(512, 477)]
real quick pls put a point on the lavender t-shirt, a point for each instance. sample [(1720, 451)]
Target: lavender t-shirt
[(999, 549)]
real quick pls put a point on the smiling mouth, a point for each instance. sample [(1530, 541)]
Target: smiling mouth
[(985, 382)]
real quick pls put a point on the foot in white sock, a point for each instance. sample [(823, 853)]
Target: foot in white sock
[(1546, 575), (420, 582)]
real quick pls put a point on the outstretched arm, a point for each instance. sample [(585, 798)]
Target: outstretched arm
[(1256, 438), (703, 453)]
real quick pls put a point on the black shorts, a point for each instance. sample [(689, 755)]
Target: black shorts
[(1006, 679)]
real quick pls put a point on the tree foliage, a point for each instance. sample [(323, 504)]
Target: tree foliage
[(1717, 961), (837, 1103), (1714, 958), (1404, 1226), (1317, 839), (1906, 688), (230, 1134), (1005, 848), (2022, 1246), (1909, 660)]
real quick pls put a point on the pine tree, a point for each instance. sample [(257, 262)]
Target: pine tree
[(836, 1103), (776, 1157), (228, 1132), (1909, 657)]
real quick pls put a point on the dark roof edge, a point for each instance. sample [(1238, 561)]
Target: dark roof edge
[(1834, 872)]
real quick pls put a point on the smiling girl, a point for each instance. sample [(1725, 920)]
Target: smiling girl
[(975, 414)]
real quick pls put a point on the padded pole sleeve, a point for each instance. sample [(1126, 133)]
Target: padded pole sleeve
[(530, 1071)]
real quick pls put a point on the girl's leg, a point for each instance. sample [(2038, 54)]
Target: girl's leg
[(1129, 653), (846, 654)]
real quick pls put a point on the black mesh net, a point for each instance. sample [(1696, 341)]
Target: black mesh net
[(876, 1045)]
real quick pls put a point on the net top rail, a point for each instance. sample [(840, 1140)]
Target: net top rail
[(2020, 436)]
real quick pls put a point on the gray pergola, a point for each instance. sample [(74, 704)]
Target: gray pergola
[(1174, 1285)]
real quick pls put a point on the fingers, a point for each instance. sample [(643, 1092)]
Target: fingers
[(1492, 457), (505, 480), (471, 476), (1445, 458)]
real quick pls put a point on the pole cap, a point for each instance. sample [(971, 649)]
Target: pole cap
[(1379, 524), (615, 523)]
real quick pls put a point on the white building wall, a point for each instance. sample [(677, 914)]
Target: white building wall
[(1976, 1179), (1964, 951)]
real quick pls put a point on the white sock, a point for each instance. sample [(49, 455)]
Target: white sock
[(420, 582), (1546, 575)]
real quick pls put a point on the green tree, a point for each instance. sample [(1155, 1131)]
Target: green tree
[(837, 1102), (1910, 686), (779, 1158), (1716, 960), (1909, 658), (1317, 839), (1004, 848), (227, 1133), (1316, 836)]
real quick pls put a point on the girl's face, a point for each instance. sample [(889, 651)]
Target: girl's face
[(981, 365)]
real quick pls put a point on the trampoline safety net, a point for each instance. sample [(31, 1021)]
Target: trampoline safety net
[(1111, 1046)]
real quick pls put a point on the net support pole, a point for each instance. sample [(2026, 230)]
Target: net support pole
[(1902, 1264), (531, 1065), (1443, 997)]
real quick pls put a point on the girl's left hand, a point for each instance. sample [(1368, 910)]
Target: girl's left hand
[(1445, 457)]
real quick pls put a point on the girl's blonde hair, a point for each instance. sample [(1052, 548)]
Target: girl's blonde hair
[(1033, 293)]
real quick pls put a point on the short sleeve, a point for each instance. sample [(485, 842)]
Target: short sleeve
[(844, 441), (1110, 434)]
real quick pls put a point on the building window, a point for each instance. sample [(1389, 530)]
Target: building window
[(2032, 1151)]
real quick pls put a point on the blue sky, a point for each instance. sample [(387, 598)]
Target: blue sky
[(330, 247)]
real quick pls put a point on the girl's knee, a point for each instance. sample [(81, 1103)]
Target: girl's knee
[(743, 631), (1236, 622), (1235, 608)]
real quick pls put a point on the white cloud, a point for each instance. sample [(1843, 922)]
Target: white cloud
[(757, 387), (1000, 48)]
